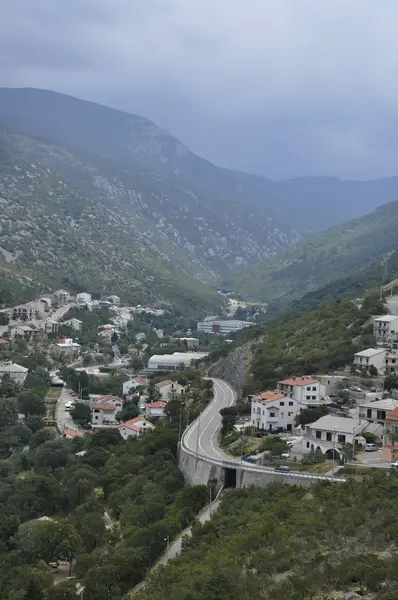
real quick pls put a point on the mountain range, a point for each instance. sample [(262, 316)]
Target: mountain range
[(95, 198)]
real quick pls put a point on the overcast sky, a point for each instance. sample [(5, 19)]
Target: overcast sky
[(278, 87)]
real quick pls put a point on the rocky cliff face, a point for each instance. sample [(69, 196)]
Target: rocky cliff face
[(234, 368)]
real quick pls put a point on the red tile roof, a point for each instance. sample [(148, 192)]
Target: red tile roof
[(135, 423), (299, 381), (269, 396), (159, 404), (163, 383), (73, 433), (393, 416), (142, 380), (104, 405), (2, 341)]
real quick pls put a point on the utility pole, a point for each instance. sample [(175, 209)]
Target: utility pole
[(334, 440)]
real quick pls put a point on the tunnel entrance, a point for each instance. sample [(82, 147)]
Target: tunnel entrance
[(230, 478)]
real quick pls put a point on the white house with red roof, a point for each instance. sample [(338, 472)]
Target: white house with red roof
[(68, 346), (133, 383), (307, 391), (273, 409), (104, 411), (71, 434), (155, 409), (169, 390), (134, 427)]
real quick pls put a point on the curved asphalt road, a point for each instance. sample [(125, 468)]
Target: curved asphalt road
[(201, 436)]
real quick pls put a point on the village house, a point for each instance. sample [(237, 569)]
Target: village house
[(83, 298), (385, 328), (49, 326), (26, 332), (135, 427), (190, 342), (169, 390), (62, 297), (155, 409), (391, 363), (104, 411), (378, 410), (114, 300), (133, 383), (75, 324), (390, 447), (330, 433), (24, 312), (4, 343), (68, 346), (273, 409), (70, 434), (306, 391), (16, 372), (374, 357)]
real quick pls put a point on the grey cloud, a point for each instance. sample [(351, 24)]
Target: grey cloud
[(283, 88)]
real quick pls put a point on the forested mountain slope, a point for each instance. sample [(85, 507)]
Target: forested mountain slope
[(291, 543), (91, 235), (321, 258)]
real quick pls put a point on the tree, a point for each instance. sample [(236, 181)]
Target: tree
[(35, 422), (310, 415), (8, 412), (4, 318), (42, 436), (130, 411), (275, 445), (65, 590), (81, 413), (38, 378), (229, 415), (391, 382), (372, 371), (8, 387), (153, 393), (15, 437), (52, 455), (31, 404), (34, 591)]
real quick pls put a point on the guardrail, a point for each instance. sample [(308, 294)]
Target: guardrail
[(253, 469)]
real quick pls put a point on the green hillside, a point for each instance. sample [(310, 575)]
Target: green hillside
[(321, 258)]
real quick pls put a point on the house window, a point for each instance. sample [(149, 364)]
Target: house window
[(308, 444), (308, 397), (328, 436), (96, 417), (381, 415), (308, 389), (369, 413), (314, 389), (291, 403), (272, 414), (318, 434), (281, 415), (341, 438), (281, 404), (314, 397), (96, 410), (289, 414)]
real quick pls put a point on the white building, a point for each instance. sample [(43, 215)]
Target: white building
[(221, 327), (24, 311), (75, 324), (104, 411), (169, 390), (378, 410), (49, 326), (62, 297), (68, 346), (155, 409), (16, 372), (330, 433), (371, 357), (133, 383), (385, 327), (114, 300), (391, 362), (307, 391), (272, 409), (190, 342), (174, 362), (135, 427), (84, 298)]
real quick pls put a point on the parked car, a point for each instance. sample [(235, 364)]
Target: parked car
[(69, 405), (355, 388), (371, 447), (283, 468), (276, 430), (285, 455), (394, 464)]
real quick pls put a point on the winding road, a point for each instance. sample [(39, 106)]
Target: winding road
[(201, 436)]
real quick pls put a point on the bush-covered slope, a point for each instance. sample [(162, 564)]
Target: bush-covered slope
[(288, 543), (321, 258)]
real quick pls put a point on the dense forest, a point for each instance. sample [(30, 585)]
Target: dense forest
[(291, 543), (103, 505)]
